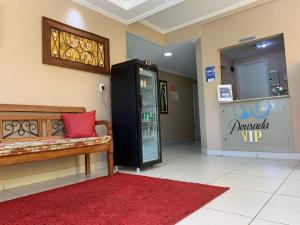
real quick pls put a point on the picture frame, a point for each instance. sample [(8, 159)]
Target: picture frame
[(163, 97), (73, 48), (225, 93)]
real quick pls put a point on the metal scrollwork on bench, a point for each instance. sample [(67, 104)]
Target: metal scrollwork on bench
[(20, 128), (57, 128)]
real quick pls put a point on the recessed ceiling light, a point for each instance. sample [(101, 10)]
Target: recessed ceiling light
[(168, 54), (263, 45)]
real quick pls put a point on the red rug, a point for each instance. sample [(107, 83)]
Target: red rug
[(119, 200)]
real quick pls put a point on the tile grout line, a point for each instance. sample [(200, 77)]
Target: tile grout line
[(230, 171), (218, 210), (179, 169), (272, 222), (275, 192), (244, 189), (19, 195), (296, 179), (66, 178), (251, 175), (289, 195), (14, 193), (195, 166), (237, 214)]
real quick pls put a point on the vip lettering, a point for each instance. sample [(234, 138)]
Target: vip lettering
[(236, 125), (251, 136)]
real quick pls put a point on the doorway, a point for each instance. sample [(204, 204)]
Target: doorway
[(177, 69), (252, 79), (196, 114)]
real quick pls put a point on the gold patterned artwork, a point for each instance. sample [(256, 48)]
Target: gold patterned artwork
[(72, 47)]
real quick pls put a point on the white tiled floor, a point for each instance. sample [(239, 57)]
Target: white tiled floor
[(262, 191)]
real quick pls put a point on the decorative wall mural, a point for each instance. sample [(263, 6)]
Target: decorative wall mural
[(70, 47)]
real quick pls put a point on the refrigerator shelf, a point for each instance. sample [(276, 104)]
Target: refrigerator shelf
[(146, 75), (146, 88), (148, 138), (149, 121)]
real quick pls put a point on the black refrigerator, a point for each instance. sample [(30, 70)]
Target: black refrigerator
[(135, 114)]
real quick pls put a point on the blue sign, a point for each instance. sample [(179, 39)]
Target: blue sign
[(210, 73)]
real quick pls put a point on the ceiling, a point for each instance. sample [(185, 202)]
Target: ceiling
[(166, 15), (127, 4), (128, 11), (248, 50), (182, 62)]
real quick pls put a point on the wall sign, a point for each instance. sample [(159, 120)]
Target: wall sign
[(257, 125), (225, 93), (251, 122), (173, 87), (73, 48), (210, 73), (250, 132), (175, 96)]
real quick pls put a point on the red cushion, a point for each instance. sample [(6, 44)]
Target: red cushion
[(78, 125)]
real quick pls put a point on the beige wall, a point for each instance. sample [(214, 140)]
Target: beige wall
[(25, 80), (178, 124), (279, 16), (182, 34), (146, 32)]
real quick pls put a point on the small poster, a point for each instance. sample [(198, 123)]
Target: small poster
[(173, 87), (210, 73), (163, 97), (225, 93), (175, 96)]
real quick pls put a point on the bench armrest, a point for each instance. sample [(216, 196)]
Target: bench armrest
[(105, 123)]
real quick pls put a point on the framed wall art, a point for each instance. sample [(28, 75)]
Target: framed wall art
[(163, 97), (74, 48)]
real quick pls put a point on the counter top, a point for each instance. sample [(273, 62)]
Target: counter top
[(256, 99)]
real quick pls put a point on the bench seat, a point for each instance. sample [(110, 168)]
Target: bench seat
[(31, 133), (23, 147)]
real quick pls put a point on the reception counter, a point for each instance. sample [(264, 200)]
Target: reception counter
[(257, 125)]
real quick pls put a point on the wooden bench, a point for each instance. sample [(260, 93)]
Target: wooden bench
[(25, 128)]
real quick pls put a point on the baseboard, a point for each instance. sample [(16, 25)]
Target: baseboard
[(263, 155), (31, 179)]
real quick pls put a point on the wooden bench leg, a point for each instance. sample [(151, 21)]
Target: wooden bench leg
[(87, 164), (110, 159)]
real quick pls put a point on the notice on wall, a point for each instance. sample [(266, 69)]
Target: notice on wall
[(210, 73), (225, 93), (174, 96), (173, 87)]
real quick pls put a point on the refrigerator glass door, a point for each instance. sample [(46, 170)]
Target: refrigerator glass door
[(149, 115)]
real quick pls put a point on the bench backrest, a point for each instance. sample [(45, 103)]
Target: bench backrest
[(32, 122)]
